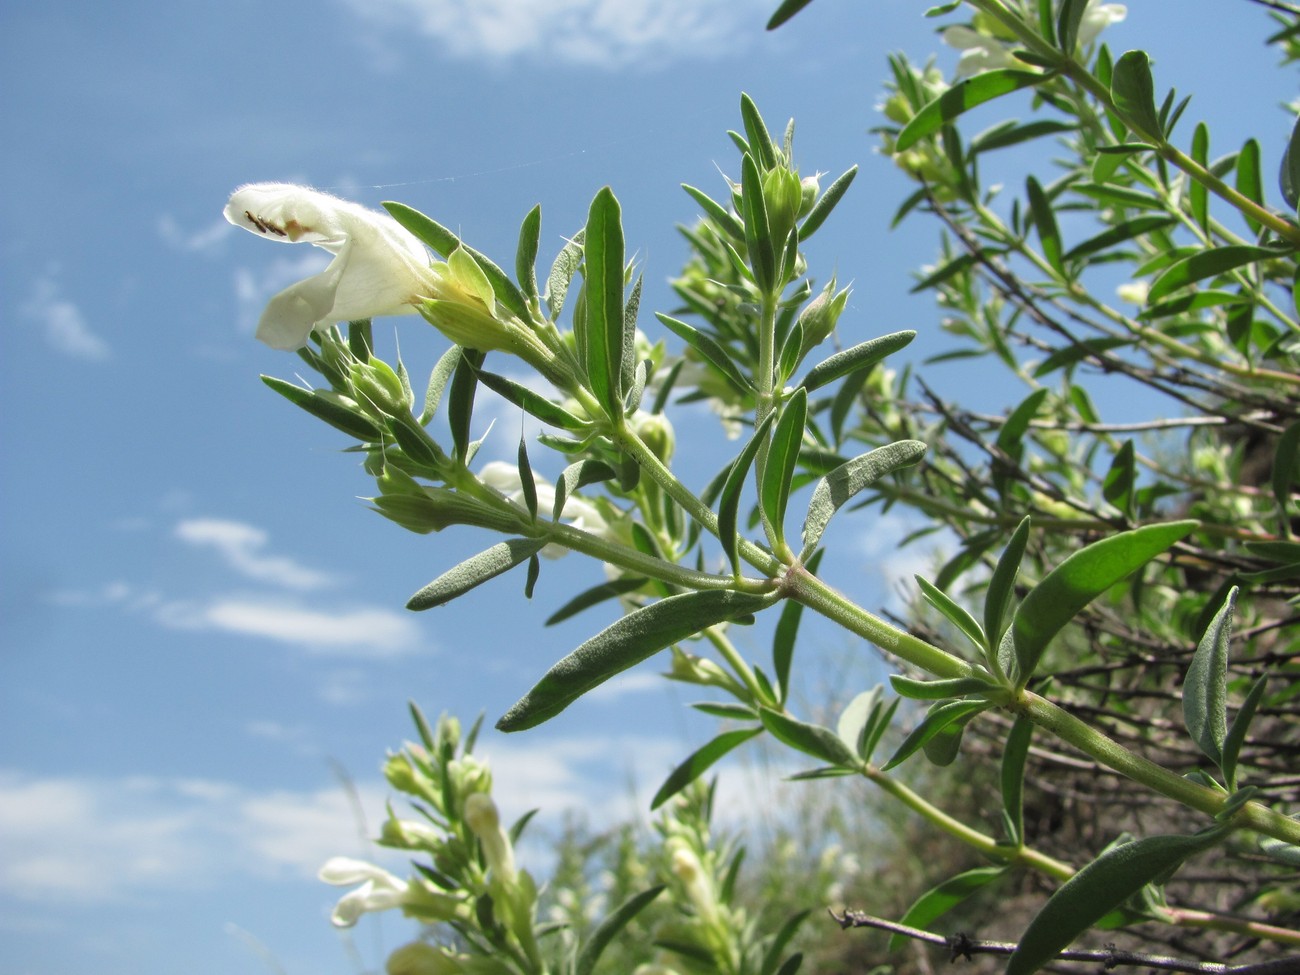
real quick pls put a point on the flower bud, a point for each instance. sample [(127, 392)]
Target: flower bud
[(809, 187), (783, 196), (420, 958), (483, 819), (819, 317), (656, 432), (375, 383)]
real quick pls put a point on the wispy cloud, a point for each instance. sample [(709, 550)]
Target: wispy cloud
[(205, 240), (62, 322), (595, 33), (253, 288), (240, 546)]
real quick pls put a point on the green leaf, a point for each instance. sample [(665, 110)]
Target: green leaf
[(1198, 197), (1117, 488), (937, 720), (1286, 465), (939, 690), (561, 275), (758, 231), (603, 269), (700, 762), (782, 453), (839, 486), (784, 12), (1118, 234), (810, 739), (1012, 133), (1014, 755), (443, 241), (532, 402), (526, 253), (1079, 580), (787, 627), (952, 611), (720, 215), (1207, 264), (1250, 181), (826, 203), (1100, 887), (760, 141), (1067, 26), (729, 499), (438, 378), (962, 97), (773, 953), (475, 571), (1236, 735), (609, 928), (1205, 690), (1002, 586), (594, 596), (709, 349), (862, 356), (460, 407), (938, 901), (527, 484), (338, 411), (1049, 236), (1289, 173), (579, 475), (1133, 91), (623, 644)]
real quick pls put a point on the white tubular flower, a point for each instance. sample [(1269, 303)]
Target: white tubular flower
[(379, 890), (979, 52), (378, 267), (1097, 18)]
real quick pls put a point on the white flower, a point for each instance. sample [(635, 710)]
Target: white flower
[(979, 52), (379, 890), (1097, 18), (378, 268)]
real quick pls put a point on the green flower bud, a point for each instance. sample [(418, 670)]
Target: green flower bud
[(782, 195), (483, 819), (809, 187), (419, 958), (376, 384), (657, 433), (820, 315)]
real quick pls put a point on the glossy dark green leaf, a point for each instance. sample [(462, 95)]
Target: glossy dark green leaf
[(623, 644), (758, 231), (961, 97), (839, 486), (443, 241), (1014, 755), (784, 12), (1100, 887), (460, 404), (937, 720), (862, 356), (1250, 178), (708, 349), (700, 762), (729, 499), (475, 571), (810, 739), (1002, 586), (531, 402), (955, 613), (1133, 91), (826, 203), (1049, 236), (563, 269), (603, 269), (1068, 19), (1079, 580), (609, 928), (1206, 264), (779, 466), (336, 410), (595, 596), (1205, 689), (939, 900)]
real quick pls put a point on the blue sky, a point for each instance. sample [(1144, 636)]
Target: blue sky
[(200, 621)]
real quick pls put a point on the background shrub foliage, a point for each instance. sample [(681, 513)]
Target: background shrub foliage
[(1109, 660)]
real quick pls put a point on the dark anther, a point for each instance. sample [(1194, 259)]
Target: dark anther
[(961, 946), (264, 226)]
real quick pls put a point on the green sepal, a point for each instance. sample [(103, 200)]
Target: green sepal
[(475, 571), (623, 644)]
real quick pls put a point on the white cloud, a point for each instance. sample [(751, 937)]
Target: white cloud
[(596, 33), (205, 240), (359, 631), (895, 564), (240, 545), (62, 322), (254, 288)]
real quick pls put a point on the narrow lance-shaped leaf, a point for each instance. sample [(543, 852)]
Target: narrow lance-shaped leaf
[(1250, 181), (1286, 467), (787, 627), (1207, 264), (1067, 24), (760, 141), (955, 613), (1289, 172), (609, 928), (1237, 731), (961, 97), (1049, 237), (939, 718), (1079, 580), (460, 406), (1198, 197), (826, 203), (729, 499), (708, 348), (531, 402), (604, 274), (526, 252), (1099, 888), (1205, 690), (561, 275), (784, 12), (782, 453), (1014, 755), (623, 644), (938, 901), (438, 379), (328, 406), (1118, 485), (475, 571), (758, 231), (1002, 586), (700, 761), (862, 356), (839, 486), (808, 738)]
